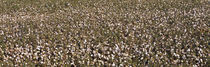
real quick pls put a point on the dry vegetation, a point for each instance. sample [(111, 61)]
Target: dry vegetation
[(104, 32)]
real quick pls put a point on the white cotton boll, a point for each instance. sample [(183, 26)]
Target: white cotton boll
[(188, 50)]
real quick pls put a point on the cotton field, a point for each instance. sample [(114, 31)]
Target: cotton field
[(113, 33)]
